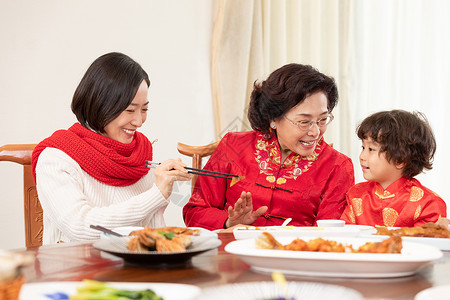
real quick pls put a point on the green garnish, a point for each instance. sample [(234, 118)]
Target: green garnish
[(168, 235), (96, 290)]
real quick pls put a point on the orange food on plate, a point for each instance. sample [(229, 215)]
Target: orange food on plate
[(164, 240), (390, 245), (431, 230)]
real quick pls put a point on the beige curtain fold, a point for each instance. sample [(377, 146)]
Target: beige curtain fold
[(236, 61), (315, 33), (253, 38)]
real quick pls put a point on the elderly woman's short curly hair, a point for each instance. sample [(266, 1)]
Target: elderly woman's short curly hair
[(286, 87)]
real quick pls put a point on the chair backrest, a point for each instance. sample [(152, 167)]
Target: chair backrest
[(197, 153), (34, 227)]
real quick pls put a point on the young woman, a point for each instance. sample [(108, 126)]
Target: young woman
[(94, 173), (290, 171)]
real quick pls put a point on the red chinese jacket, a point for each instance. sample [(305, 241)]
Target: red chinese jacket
[(405, 203), (302, 188)]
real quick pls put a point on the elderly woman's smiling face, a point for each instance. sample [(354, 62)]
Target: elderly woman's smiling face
[(291, 137)]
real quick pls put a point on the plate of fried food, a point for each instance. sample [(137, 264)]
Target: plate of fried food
[(352, 257), (127, 230), (430, 234), (248, 232), (167, 245)]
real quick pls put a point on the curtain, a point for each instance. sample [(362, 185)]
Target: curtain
[(401, 61), (236, 61), (253, 38), (314, 33)]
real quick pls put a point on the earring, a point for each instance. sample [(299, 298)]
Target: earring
[(273, 126)]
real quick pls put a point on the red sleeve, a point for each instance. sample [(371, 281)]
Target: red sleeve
[(206, 205), (347, 215), (333, 200), (432, 208)]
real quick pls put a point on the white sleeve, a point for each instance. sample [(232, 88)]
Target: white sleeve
[(72, 200)]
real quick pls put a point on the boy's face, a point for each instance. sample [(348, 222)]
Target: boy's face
[(375, 166)]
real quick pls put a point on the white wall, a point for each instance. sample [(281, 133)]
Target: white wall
[(47, 45)]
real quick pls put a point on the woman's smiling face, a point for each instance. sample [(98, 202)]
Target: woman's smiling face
[(123, 127), (294, 139)]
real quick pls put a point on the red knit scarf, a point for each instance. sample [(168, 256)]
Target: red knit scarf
[(106, 160)]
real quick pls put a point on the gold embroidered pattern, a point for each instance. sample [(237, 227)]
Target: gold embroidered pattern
[(268, 157), (390, 215), (270, 179), (383, 194), (281, 180), (434, 193), (351, 215), (357, 206), (417, 212), (416, 194)]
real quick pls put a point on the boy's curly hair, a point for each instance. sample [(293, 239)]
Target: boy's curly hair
[(405, 137)]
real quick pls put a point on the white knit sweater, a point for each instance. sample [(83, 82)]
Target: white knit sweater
[(72, 200)]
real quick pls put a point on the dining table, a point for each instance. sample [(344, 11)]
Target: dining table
[(76, 261)]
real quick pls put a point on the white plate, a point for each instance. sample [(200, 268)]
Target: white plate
[(126, 231), (368, 265), (117, 246), (434, 293), (440, 243), (272, 290), (251, 232), (169, 291)]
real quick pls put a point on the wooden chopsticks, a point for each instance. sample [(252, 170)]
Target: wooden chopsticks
[(150, 164), (105, 230)]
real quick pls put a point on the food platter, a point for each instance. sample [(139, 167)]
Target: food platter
[(249, 232), (127, 229), (44, 290), (117, 247), (414, 256), (440, 243)]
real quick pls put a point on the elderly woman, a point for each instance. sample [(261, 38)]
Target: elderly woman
[(93, 172), (290, 171)]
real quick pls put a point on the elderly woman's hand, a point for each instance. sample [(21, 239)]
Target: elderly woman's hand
[(242, 212), (167, 173)]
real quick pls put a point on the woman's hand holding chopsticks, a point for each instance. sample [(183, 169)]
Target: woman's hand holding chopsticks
[(167, 173), (150, 164), (234, 178)]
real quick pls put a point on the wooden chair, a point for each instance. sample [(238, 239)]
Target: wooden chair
[(34, 227), (197, 153)]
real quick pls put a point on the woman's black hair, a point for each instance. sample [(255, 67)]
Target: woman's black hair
[(107, 89)]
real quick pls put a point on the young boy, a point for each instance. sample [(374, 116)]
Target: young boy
[(396, 146)]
